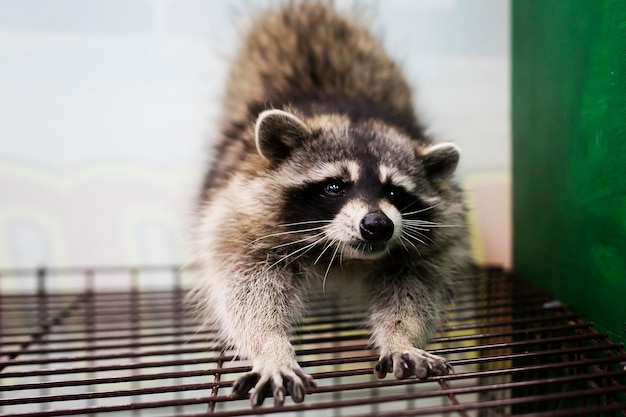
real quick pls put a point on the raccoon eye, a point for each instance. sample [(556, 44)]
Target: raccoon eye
[(397, 195), (393, 193), (335, 188)]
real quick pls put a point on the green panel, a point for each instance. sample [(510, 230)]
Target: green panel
[(569, 153)]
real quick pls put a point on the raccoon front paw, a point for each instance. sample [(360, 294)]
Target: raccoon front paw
[(294, 382), (415, 361)]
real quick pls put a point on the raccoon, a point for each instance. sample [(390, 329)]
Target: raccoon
[(323, 175)]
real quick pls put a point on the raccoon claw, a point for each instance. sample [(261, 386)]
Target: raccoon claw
[(244, 383), (277, 384), (413, 362)]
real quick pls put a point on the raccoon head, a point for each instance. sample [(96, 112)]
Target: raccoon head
[(352, 191)]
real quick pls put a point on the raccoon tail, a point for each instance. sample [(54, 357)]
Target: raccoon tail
[(307, 49)]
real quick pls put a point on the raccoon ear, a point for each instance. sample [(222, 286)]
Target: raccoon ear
[(277, 132), (440, 160)]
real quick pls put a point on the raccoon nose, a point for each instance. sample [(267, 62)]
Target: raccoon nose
[(376, 227)]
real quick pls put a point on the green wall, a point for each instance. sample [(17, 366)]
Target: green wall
[(569, 153)]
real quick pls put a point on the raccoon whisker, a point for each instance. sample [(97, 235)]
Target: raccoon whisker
[(294, 242), (288, 233), (424, 223), (420, 210), (421, 221), (418, 223), (414, 237), (417, 230), (419, 233), (304, 222), (312, 229), (341, 256), (318, 238), (446, 225), (440, 226), (330, 263), (341, 252), (309, 247), (324, 249), (427, 223), (415, 227), (403, 238), (426, 227), (304, 248), (409, 205), (403, 245)]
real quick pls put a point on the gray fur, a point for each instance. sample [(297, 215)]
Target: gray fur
[(319, 120)]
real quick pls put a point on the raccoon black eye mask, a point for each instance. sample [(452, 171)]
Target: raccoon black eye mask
[(322, 176)]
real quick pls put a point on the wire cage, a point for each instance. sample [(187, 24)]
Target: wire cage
[(122, 342)]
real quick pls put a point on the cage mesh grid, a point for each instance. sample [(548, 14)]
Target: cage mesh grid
[(78, 345)]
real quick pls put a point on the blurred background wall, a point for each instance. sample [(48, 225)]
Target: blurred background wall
[(107, 108)]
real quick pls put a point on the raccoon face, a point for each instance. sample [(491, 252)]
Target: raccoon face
[(351, 193)]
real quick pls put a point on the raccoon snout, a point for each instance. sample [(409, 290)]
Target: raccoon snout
[(376, 227)]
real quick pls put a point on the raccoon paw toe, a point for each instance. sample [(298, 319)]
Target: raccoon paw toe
[(412, 362), (243, 385), (277, 384)]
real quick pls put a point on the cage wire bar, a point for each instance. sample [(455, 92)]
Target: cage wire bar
[(122, 342)]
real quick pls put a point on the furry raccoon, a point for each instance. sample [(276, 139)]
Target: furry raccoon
[(322, 173)]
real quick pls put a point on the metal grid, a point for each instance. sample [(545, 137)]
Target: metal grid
[(119, 342)]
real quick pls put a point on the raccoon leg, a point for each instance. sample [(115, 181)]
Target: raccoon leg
[(259, 313), (404, 313)]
